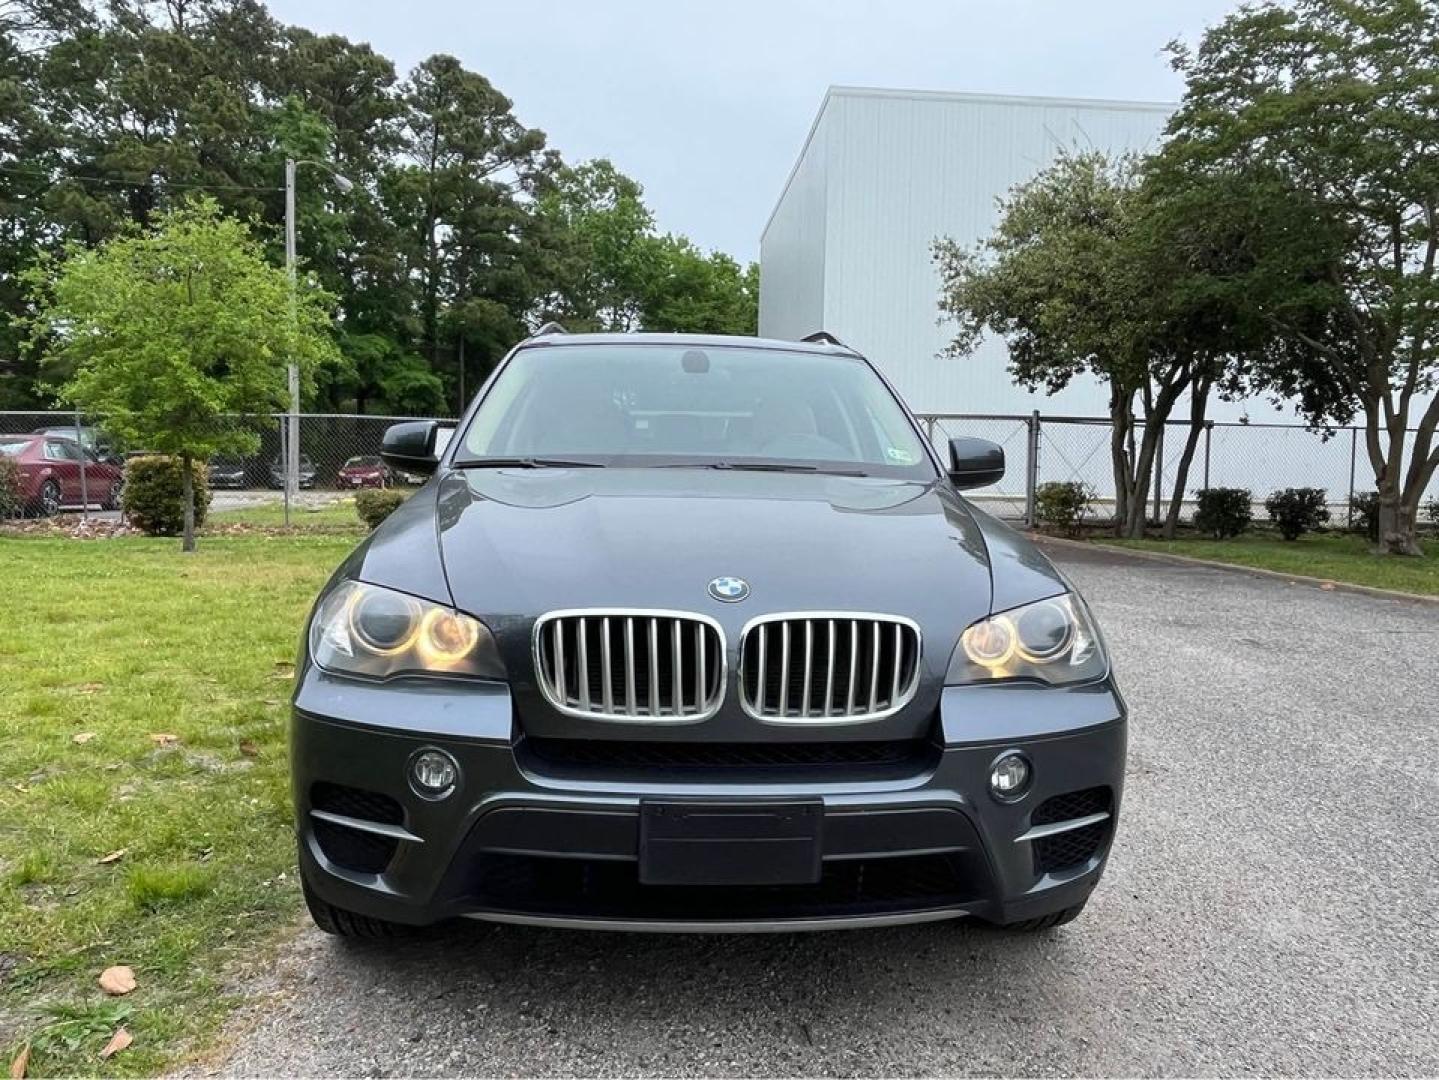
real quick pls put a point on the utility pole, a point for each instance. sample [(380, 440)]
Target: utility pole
[(291, 439), (292, 422)]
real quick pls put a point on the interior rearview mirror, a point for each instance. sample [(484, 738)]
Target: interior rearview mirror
[(410, 446), (975, 463)]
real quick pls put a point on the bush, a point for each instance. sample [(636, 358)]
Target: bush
[(1365, 506), (1297, 510), (1063, 505), (1432, 509), (1223, 512), (9, 488), (153, 498), (373, 505)]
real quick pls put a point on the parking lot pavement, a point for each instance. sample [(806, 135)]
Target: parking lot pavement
[(1270, 906)]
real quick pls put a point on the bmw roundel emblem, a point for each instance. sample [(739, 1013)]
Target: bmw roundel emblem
[(729, 590)]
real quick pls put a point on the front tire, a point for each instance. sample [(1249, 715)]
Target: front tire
[(49, 500), (342, 923), (1045, 922)]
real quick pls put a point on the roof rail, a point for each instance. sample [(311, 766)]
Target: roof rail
[(550, 327), (823, 337)]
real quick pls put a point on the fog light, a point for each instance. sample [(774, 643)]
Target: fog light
[(1009, 777), (433, 773)]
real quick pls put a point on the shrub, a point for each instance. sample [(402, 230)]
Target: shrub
[(1063, 505), (153, 499), (1223, 512), (9, 488), (1365, 506), (373, 505), (1432, 509), (1297, 511)]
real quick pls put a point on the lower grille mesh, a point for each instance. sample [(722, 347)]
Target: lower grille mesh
[(1059, 851), (355, 849), (600, 889)]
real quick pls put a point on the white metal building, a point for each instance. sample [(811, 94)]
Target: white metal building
[(847, 249), (885, 172)]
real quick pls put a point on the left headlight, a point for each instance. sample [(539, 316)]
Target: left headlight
[(1053, 641), (376, 632)]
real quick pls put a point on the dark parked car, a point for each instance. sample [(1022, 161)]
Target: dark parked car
[(228, 472), (364, 471), (307, 473), (50, 477), (699, 633)]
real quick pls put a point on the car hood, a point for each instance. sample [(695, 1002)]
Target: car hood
[(517, 543)]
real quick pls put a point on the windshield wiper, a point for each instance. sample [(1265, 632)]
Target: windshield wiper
[(526, 463), (780, 466)]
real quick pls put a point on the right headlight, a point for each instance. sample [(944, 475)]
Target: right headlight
[(1053, 641), (368, 630)]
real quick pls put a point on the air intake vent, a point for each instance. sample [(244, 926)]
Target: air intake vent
[(657, 666), (835, 668)]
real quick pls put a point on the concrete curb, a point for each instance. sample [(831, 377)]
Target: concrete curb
[(1327, 584)]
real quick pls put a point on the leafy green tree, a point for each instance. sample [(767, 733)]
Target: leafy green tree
[(693, 292), (1080, 277), (1328, 110), (172, 333), (605, 256)]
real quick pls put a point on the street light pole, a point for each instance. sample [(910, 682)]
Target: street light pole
[(292, 422), (291, 438)]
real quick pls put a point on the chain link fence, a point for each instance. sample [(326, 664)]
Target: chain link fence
[(1260, 457), (340, 452)]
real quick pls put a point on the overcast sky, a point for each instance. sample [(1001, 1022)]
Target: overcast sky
[(707, 104)]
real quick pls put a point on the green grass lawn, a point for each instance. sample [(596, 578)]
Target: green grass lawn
[(334, 517), (143, 712), (1335, 556)]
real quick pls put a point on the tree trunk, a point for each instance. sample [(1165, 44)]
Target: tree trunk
[(187, 492), (1121, 422), (1198, 402), (1398, 522)]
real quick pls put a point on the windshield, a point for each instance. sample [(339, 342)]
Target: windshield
[(653, 405), (362, 463)]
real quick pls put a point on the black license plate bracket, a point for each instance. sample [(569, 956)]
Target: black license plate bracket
[(712, 842)]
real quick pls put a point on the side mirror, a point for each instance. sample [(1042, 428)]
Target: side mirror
[(975, 463), (410, 446)]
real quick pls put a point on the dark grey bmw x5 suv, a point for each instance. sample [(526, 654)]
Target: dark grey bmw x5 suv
[(698, 633)]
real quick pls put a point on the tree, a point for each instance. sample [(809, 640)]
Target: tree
[(1328, 110), (602, 233), (174, 333), (693, 292), (1078, 279)]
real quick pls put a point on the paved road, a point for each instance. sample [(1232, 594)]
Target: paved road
[(1270, 907)]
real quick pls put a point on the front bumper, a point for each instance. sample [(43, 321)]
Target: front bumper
[(526, 839)]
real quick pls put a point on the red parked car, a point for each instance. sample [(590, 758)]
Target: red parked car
[(364, 471), (50, 473)]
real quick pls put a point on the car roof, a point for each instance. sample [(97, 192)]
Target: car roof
[(711, 341)]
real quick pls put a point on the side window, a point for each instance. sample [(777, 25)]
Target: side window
[(58, 451)]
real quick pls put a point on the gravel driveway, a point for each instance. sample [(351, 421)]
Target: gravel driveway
[(1270, 905)]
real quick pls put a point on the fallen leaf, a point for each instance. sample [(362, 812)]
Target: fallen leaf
[(80, 738), (1328, 585), (248, 748), (20, 1064), (161, 738), (89, 687), (118, 1042), (21, 788), (117, 981), (114, 856), (272, 701)]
